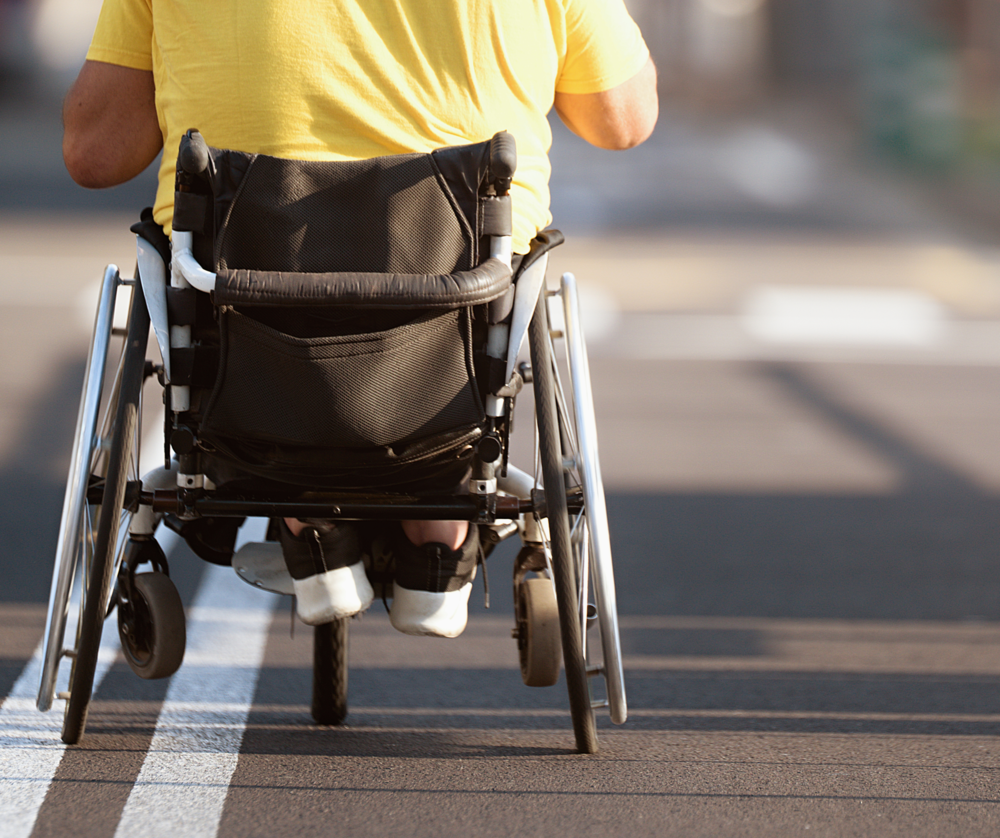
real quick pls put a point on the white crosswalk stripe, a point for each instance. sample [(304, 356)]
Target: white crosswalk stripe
[(184, 780), (30, 747)]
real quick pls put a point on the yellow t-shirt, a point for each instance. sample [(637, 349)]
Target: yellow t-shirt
[(353, 79)]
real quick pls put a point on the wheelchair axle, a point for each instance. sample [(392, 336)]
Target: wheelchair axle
[(449, 508)]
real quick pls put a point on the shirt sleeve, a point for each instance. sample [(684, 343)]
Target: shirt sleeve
[(124, 34), (604, 47)]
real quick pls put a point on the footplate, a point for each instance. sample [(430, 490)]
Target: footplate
[(261, 564)]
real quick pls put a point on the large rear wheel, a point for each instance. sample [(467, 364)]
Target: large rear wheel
[(101, 529), (589, 525), (564, 564)]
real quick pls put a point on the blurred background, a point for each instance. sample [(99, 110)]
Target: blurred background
[(913, 84), (761, 98), (915, 80)]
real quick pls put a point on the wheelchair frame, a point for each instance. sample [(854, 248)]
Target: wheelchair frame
[(110, 512)]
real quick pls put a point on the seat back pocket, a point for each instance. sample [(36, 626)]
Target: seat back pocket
[(343, 391)]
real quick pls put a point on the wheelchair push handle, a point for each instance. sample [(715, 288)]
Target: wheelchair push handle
[(503, 161), (193, 156)]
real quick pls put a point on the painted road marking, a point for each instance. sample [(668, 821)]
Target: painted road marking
[(843, 316), (183, 783), (725, 337), (30, 747)]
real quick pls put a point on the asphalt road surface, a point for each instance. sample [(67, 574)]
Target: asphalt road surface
[(806, 548)]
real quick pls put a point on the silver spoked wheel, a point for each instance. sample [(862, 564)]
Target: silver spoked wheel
[(78, 552), (589, 530), (550, 449)]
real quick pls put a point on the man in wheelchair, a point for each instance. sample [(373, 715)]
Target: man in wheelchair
[(353, 81), (340, 274)]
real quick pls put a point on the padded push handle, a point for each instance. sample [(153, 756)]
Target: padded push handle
[(193, 155), (503, 161)]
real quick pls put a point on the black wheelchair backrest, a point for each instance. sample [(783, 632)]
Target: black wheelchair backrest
[(403, 214)]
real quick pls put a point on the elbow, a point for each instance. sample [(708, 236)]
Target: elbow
[(612, 133), (95, 162), (91, 163), (630, 134), (624, 142), (609, 122), (644, 131), (642, 123), (82, 164)]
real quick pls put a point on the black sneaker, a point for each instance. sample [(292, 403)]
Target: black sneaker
[(327, 571), (430, 593)]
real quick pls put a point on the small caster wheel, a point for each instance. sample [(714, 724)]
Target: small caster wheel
[(538, 643), (151, 626)]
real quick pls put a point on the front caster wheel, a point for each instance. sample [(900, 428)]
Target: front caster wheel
[(151, 626), (538, 642)]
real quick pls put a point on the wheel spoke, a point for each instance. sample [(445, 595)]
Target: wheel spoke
[(565, 415), (108, 421), (136, 440), (121, 542), (579, 532)]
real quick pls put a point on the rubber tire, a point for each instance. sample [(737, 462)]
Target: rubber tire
[(81, 676), (157, 603), (329, 693), (540, 647), (563, 566)]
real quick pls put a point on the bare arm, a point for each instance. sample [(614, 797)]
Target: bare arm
[(615, 119), (110, 129)]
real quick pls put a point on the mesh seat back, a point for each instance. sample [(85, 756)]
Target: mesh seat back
[(400, 392), (387, 215)]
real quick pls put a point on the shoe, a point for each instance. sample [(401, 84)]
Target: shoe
[(327, 571), (430, 593)]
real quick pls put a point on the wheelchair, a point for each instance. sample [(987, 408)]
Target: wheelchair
[(344, 341)]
